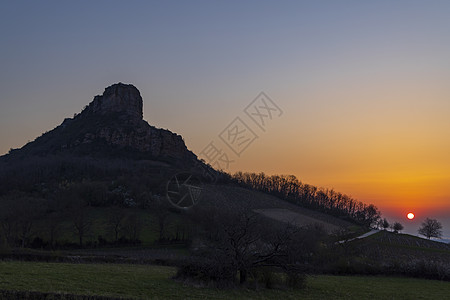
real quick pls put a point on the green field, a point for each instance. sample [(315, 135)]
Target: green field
[(153, 282)]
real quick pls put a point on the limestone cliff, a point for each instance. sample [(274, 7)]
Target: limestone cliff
[(112, 121), (122, 98)]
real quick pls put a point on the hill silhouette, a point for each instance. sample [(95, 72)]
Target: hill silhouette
[(102, 179), (108, 141), (111, 125)]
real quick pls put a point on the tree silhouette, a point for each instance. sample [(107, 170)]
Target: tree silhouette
[(18, 214), (289, 188), (397, 227), (80, 220), (81, 224), (240, 240), (385, 224), (133, 227), (116, 222), (431, 228)]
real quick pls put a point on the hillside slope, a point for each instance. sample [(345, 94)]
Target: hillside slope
[(387, 246), (234, 197)]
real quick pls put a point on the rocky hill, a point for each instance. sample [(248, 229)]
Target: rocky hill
[(111, 125)]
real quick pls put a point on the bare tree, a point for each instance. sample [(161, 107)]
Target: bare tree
[(53, 227), (372, 215), (80, 220), (19, 213), (243, 241), (397, 227), (163, 218), (8, 221), (291, 189), (385, 224), (56, 209), (161, 211), (116, 222), (431, 228), (133, 227)]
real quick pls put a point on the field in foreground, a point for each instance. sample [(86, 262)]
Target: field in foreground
[(153, 282)]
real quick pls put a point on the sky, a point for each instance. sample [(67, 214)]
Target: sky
[(361, 87)]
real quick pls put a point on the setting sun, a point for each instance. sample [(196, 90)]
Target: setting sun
[(410, 216)]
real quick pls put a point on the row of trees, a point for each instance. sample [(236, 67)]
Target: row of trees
[(430, 228), (384, 224), (27, 220), (49, 197), (288, 187), (50, 173)]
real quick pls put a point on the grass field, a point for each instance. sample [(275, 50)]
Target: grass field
[(153, 282)]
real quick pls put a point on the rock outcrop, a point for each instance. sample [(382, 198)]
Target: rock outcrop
[(114, 119), (119, 98)]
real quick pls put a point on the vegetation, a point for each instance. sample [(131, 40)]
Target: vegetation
[(67, 198), (289, 188), (242, 241), (153, 282), (384, 224), (397, 227), (56, 201), (431, 228), (57, 230), (64, 203), (388, 253)]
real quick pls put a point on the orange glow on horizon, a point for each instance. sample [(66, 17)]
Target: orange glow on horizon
[(394, 158)]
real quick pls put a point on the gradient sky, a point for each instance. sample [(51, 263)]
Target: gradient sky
[(364, 85)]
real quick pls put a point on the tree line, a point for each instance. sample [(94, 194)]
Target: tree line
[(27, 221), (289, 188)]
